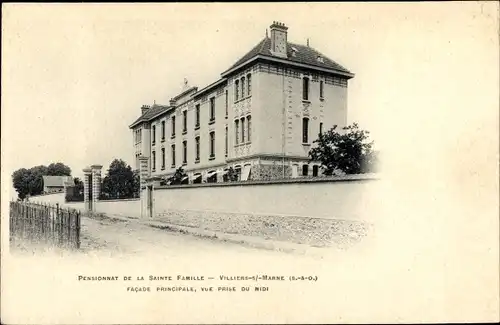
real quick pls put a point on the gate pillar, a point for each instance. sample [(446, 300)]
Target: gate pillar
[(96, 184), (144, 195), (87, 203)]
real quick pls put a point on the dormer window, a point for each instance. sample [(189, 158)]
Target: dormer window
[(320, 59)]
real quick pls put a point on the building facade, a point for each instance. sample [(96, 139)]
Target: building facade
[(260, 118)]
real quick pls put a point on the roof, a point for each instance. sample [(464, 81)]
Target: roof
[(155, 110), (303, 54), (57, 181), (209, 87), (187, 91)]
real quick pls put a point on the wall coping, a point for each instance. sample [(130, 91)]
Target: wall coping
[(46, 194), (299, 180), (119, 200)]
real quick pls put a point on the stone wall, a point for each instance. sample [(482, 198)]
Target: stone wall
[(350, 197), (270, 172), (301, 230)]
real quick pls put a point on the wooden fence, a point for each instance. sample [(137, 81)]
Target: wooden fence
[(44, 224)]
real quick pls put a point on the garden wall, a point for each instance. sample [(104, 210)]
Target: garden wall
[(350, 197), (48, 198), (130, 207), (337, 211)]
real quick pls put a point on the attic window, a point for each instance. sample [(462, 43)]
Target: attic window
[(320, 59), (294, 51)]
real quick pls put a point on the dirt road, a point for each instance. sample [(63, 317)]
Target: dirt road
[(104, 236)]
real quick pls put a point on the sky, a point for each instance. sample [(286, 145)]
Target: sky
[(75, 76)]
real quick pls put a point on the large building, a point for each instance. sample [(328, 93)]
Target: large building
[(261, 117)]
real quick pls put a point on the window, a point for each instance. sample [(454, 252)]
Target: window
[(212, 109), (173, 126), (162, 130), (173, 155), (236, 90), (305, 130), (237, 132), (227, 105), (321, 89), (212, 144), (136, 136), (162, 158), (153, 160), (197, 145), (197, 112), (315, 170), (305, 170), (243, 130), (153, 137), (305, 88), (320, 127), (237, 169), (249, 128), (184, 152), (243, 87), (226, 144), (184, 121), (249, 84), (212, 177)]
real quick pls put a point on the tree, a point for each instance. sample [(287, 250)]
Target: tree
[(136, 184), (349, 151), (177, 177), (30, 181), (232, 175), (58, 169), (75, 193), (119, 182), (20, 179), (78, 186)]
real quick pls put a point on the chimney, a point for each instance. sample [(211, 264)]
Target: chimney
[(144, 109), (279, 39)]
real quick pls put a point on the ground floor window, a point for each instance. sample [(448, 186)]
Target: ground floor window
[(197, 179), (238, 172), (315, 170), (212, 177), (305, 170)]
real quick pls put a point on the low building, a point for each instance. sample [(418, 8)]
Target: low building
[(54, 184), (260, 118)]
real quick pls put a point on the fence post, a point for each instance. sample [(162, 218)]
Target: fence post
[(78, 215), (28, 210), (68, 213), (59, 226)]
